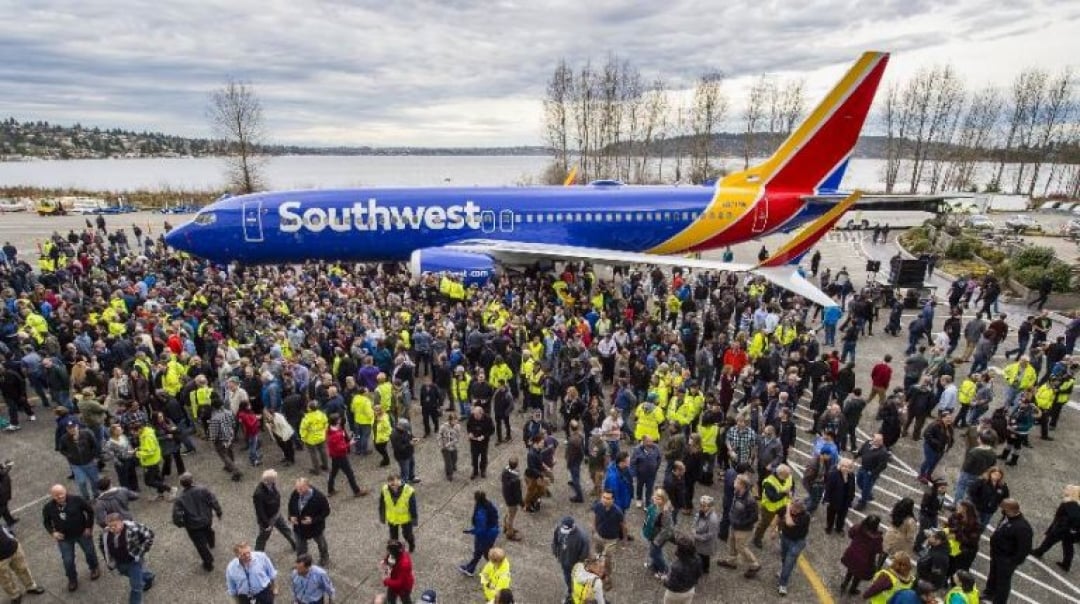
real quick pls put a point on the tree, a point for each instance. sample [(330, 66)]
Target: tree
[(236, 116), (974, 138), (557, 117), (759, 102), (708, 111), (1055, 112)]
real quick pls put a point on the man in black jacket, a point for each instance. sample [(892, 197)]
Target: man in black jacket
[(80, 448), (479, 429), (267, 502), (933, 564), (308, 509), (874, 458), (431, 398), (1009, 546), (70, 520), (194, 511), (512, 497), (743, 516)]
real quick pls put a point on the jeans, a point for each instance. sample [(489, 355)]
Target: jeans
[(848, 349), (67, 554), (481, 545), (865, 481), (830, 334), (282, 527), (962, 483), (930, 460), (813, 499), (254, 456), (643, 488), (656, 559), (86, 476), (363, 438), (138, 576), (575, 480), (789, 555), (320, 541), (341, 464), (407, 467), (449, 462)]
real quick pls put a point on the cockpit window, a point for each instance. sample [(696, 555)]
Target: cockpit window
[(206, 218)]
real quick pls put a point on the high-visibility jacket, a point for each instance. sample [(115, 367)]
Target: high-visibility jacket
[(897, 585), (773, 506), (966, 393), (459, 389), (786, 334), (38, 326), (1017, 380), (382, 429), (1045, 397), (1064, 391), (362, 409), (957, 595), (405, 339), (200, 397), (142, 366), (709, 433), (173, 380), (397, 512), (495, 578), (500, 375), (536, 383), (673, 304), (118, 305), (149, 452), (757, 345), (385, 394), (648, 423), (313, 428), (697, 401), (663, 394), (537, 350)]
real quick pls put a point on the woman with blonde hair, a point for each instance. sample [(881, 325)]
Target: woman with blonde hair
[(1064, 528), (888, 581), (658, 529)]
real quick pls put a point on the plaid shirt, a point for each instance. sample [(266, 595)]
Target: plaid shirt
[(222, 426), (449, 436), (139, 538), (740, 442)]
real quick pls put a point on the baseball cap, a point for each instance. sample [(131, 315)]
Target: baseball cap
[(567, 522), (428, 596)]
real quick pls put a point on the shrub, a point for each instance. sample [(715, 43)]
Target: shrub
[(961, 249), (1059, 273), (1034, 256)]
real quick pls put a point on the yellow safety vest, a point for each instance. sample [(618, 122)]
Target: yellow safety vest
[(149, 452), (173, 380), (313, 428), (143, 367), (773, 506), (385, 391), (583, 590), (897, 585), (709, 434), (362, 410), (970, 597), (397, 512), (1064, 391), (494, 579), (460, 389), (1016, 381), (382, 429), (1045, 397), (200, 397), (966, 394), (648, 424), (500, 375), (757, 346)]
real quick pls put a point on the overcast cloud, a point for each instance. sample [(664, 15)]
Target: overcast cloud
[(462, 72)]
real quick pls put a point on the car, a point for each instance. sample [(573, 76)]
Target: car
[(11, 205), (1071, 228), (979, 222), (1023, 222)]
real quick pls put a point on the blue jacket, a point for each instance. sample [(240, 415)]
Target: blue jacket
[(620, 484), (831, 315), (485, 522)]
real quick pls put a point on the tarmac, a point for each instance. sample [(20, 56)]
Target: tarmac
[(356, 538)]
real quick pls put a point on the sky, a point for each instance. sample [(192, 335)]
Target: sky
[(472, 73)]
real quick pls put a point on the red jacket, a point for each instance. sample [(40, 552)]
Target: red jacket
[(337, 443), (880, 375), (401, 577), (737, 360)]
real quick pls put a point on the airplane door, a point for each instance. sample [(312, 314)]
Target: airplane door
[(761, 215), (487, 221), (253, 232), (506, 221)]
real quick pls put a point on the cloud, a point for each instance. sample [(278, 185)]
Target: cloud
[(460, 72)]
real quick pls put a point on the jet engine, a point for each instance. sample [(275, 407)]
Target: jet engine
[(473, 268)]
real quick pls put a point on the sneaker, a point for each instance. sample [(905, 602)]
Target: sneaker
[(751, 572), (13, 428), (33, 418), (465, 571), (637, 502), (171, 495), (37, 590), (781, 590)]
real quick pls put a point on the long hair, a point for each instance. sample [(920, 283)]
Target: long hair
[(903, 509)]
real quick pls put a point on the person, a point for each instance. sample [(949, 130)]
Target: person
[(535, 471), (221, 431), (569, 545), (267, 502), (863, 553), (743, 515), (513, 499), (776, 492), (484, 529), (337, 448), (1010, 544), (124, 545), (987, 493), (313, 429), (901, 532), (308, 509), (495, 576), (398, 510), (933, 501), (479, 428), (13, 567), (681, 579), (117, 448), (890, 580), (933, 564), (194, 511), (310, 583), (937, 440), (403, 444), (793, 524), (382, 429), (839, 493), (618, 479), (963, 531), (70, 521), (149, 455), (706, 531), (250, 577), (963, 590), (449, 437), (397, 573), (112, 500), (874, 458), (977, 461), (1020, 422), (588, 582), (80, 448), (644, 464), (575, 456), (1065, 528), (658, 528)]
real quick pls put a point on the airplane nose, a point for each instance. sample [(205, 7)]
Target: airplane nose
[(179, 238)]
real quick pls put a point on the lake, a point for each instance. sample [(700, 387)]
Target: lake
[(327, 171)]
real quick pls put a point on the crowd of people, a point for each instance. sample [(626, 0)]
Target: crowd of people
[(659, 384)]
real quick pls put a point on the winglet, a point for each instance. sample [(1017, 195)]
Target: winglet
[(809, 236), (570, 177)]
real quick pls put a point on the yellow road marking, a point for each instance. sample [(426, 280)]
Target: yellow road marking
[(814, 579)]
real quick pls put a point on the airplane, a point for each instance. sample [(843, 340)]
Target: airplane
[(467, 231)]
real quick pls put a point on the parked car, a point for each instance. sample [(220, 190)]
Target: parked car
[(979, 222), (1023, 222), (1071, 228), (11, 205)]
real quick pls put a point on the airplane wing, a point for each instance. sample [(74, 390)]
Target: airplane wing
[(880, 202)]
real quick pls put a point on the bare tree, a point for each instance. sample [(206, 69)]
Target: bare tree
[(793, 104), (761, 104), (1034, 98), (583, 101), (235, 114), (946, 108), (897, 114), (974, 137), (1028, 84), (1055, 111), (653, 127), (708, 111), (557, 116)]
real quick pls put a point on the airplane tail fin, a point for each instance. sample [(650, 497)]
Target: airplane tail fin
[(815, 153)]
